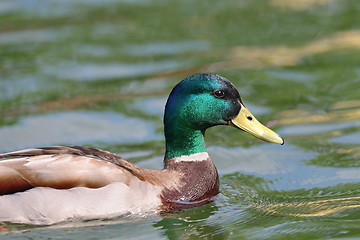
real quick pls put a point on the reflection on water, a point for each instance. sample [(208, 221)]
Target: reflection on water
[(93, 72), (192, 225), (259, 160), (353, 138), (52, 8), (313, 208), (251, 57), (337, 115), (166, 48), (44, 35), (300, 4), (283, 169), (296, 76), (75, 128), (98, 73), (310, 129), (154, 106), (12, 87)]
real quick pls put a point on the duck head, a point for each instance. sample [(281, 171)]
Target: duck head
[(201, 101)]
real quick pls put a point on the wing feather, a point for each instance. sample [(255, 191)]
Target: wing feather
[(62, 167)]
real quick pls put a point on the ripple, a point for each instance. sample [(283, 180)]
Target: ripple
[(353, 138), (281, 167), (261, 160), (96, 71), (315, 208), (258, 109), (166, 48), (14, 87), (17, 37), (257, 212), (54, 8), (311, 129), (82, 127), (154, 105), (296, 76)]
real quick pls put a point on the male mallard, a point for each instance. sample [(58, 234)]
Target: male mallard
[(54, 184)]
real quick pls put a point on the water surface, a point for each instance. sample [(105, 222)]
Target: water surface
[(98, 73)]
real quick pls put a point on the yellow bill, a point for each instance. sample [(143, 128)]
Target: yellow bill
[(247, 122)]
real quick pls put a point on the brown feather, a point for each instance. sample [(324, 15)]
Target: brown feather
[(11, 181), (198, 184), (63, 167), (184, 184)]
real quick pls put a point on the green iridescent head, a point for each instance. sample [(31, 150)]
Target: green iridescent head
[(196, 103), (201, 101)]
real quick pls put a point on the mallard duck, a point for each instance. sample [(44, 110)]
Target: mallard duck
[(49, 185)]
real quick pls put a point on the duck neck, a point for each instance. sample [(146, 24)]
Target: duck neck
[(183, 140)]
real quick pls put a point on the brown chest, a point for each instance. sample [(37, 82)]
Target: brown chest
[(197, 186)]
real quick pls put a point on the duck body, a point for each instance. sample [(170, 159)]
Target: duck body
[(49, 185), (56, 184)]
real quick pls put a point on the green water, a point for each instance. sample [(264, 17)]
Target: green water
[(98, 73)]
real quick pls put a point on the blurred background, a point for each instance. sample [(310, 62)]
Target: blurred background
[(97, 73)]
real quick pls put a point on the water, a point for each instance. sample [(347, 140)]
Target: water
[(98, 73)]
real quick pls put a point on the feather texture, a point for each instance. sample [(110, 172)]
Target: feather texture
[(55, 184), (44, 205), (62, 168)]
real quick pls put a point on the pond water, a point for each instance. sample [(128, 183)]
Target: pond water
[(97, 73)]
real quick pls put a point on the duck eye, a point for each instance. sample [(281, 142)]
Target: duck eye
[(219, 93)]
